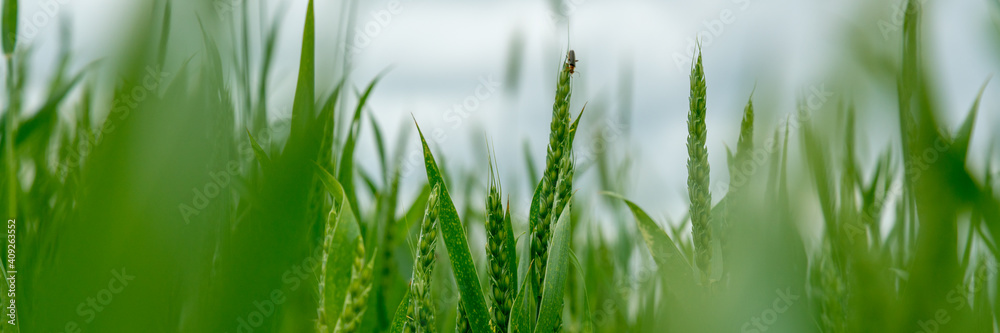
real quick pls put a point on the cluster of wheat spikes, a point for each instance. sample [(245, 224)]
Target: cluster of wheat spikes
[(221, 220), (537, 305)]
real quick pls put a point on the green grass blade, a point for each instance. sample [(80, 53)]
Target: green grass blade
[(345, 237), (533, 219), (783, 195), (47, 115), (345, 173), (519, 313), (772, 172), (362, 101), (380, 145), (401, 145), (269, 41), (372, 185), (399, 319), (213, 58), (556, 271), (63, 57), (529, 163), (322, 130), (964, 134), (9, 26), (571, 133), (816, 158), (258, 152), (664, 250), (511, 245), (587, 320), (164, 32), (453, 233), (305, 90)]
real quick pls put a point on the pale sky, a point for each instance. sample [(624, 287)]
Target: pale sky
[(443, 51)]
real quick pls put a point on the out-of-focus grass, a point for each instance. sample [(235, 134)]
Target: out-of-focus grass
[(183, 209)]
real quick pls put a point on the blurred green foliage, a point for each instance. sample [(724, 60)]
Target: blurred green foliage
[(173, 204)]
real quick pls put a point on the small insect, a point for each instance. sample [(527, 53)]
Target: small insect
[(571, 61)]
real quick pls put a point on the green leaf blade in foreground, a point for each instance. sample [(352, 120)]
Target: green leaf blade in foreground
[(556, 270), (345, 237), (453, 234)]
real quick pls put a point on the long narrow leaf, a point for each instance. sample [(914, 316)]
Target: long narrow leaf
[(556, 271), (47, 115), (399, 319), (510, 244), (453, 233), (521, 311), (587, 320), (345, 173), (258, 152), (345, 237), (304, 103), (669, 259), (965, 132), (9, 26)]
